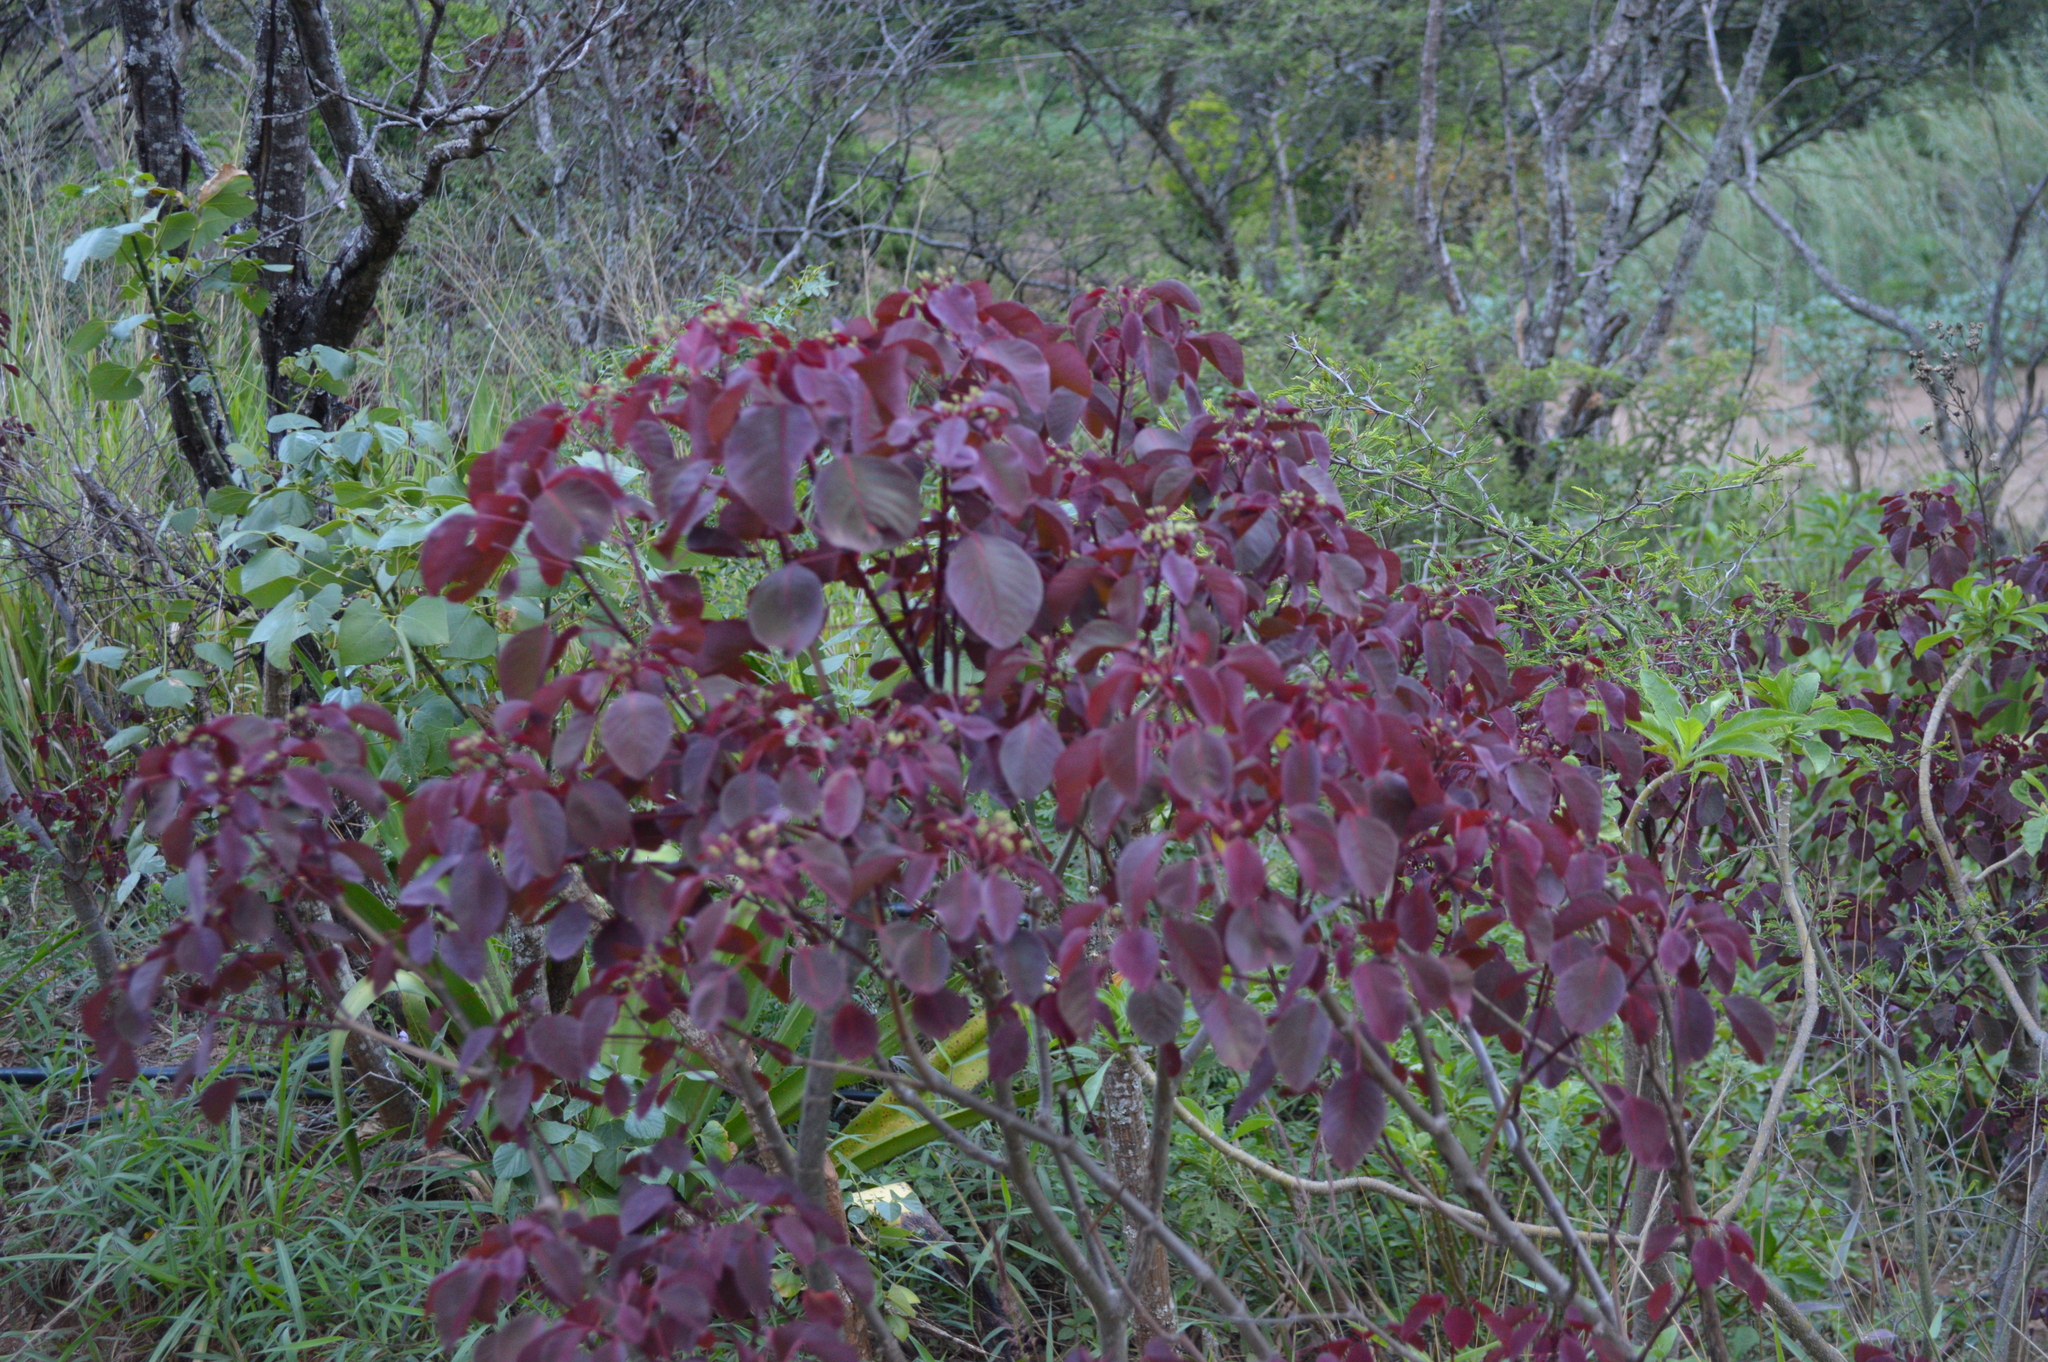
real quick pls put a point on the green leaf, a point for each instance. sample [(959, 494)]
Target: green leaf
[(86, 338), (126, 738), (425, 622), (2033, 832), (108, 381), (1856, 723), (214, 653), (1803, 691), (167, 694), (1662, 695), (470, 636), (107, 655), (98, 244), (279, 629), (364, 635), (269, 577)]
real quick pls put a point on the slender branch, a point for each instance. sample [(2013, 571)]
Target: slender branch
[(1958, 887), (1809, 986)]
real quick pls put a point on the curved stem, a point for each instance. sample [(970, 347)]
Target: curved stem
[(1809, 987), (1958, 887), (1635, 810)]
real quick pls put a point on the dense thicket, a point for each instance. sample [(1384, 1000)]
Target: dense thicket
[(1350, 680)]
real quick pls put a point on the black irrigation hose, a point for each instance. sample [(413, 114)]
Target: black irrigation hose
[(162, 1073)]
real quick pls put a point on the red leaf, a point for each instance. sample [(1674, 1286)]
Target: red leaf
[(523, 661), (854, 1033), (536, 837), (995, 588), (1354, 1114), (1644, 1131), (1590, 993), (1755, 1028), (1709, 1262), (1382, 1000), (572, 513), (1028, 755), (1156, 1013), (1370, 852), (786, 609), (817, 977), (763, 451), (1236, 1030), (1135, 953), (636, 728), (864, 503), (219, 1099), (1300, 1039), (919, 955), (1199, 766), (843, 801)]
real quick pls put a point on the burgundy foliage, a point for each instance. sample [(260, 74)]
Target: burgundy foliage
[(1321, 799)]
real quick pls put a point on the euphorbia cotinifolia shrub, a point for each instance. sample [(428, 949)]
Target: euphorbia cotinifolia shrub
[(1167, 755)]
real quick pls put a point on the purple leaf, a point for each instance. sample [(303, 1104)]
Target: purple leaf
[(536, 837), (817, 977), (219, 1099), (636, 729), (1236, 1030), (1644, 1131), (1027, 756), (919, 955), (864, 503), (854, 1033), (1754, 1027), (1370, 852), (1590, 993), (1354, 1114), (786, 609), (763, 451), (1135, 953), (843, 801), (1198, 765), (1300, 1039), (995, 588), (1155, 1014)]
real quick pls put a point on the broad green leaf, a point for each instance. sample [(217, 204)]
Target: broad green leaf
[(1656, 688), (269, 577), (108, 381), (2033, 832), (107, 655), (1856, 723), (98, 244), (126, 738), (213, 653), (1803, 692), (425, 622), (364, 635), (470, 636), (86, 338), (167, 694)]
